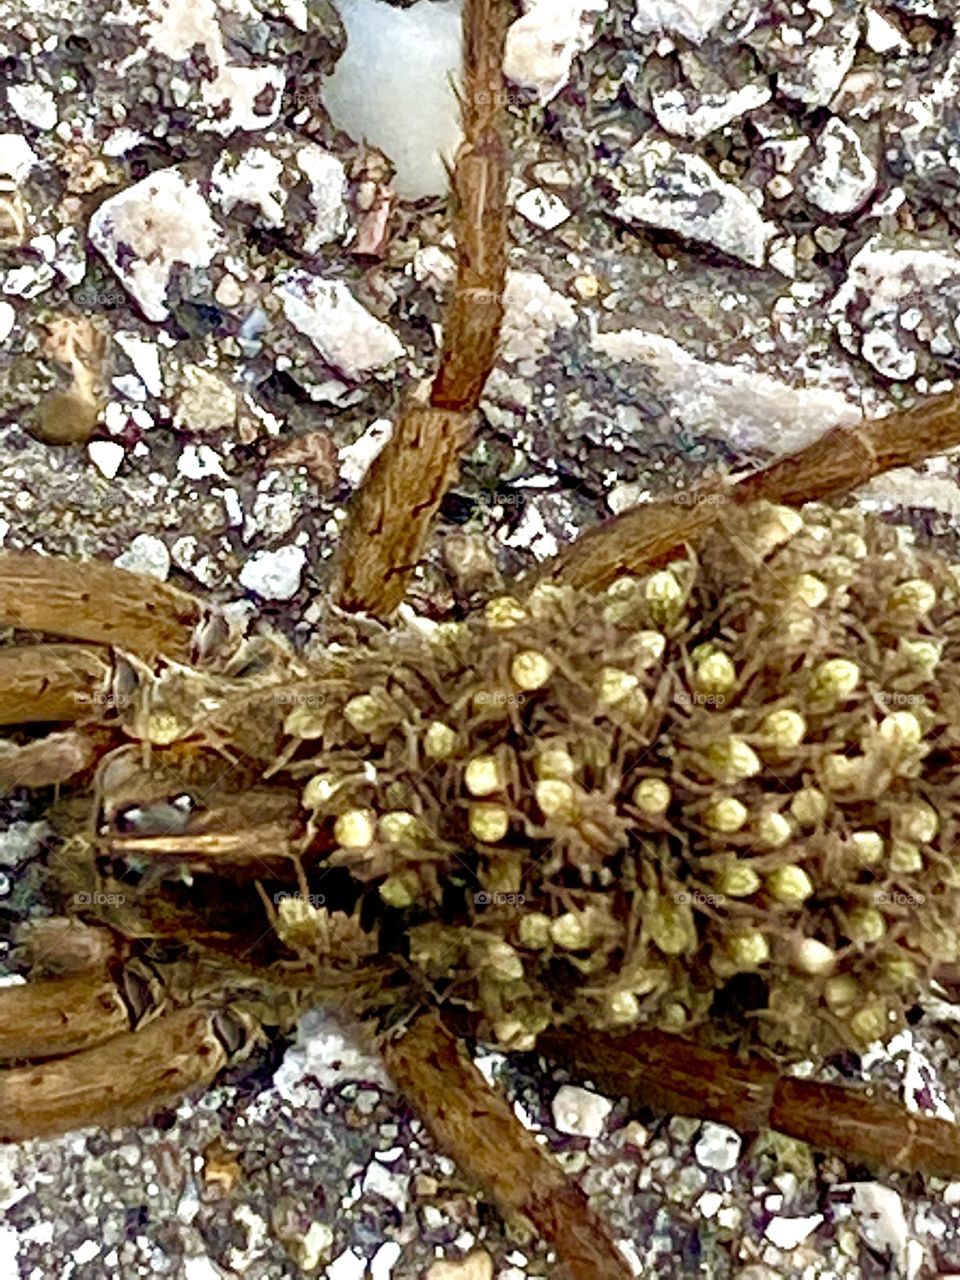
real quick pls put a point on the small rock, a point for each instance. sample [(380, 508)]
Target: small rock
[(580, 1112), (748, 408), (144, 231), (696, 117), (328, 196), (346, 335), (678, 191), (314, 1246), (844, 178), (815, 77), (7, 318), (274, 575), (34, 105), (206, 402), (475, 1266), (254, 179), (533, 312), (146, 554), (787, 1233), (20, 841), (709, 1203), (145, 358), (541, 46), (348, 1266), (717, 1147), (881, 35), (542, 209), (107, 456), (694, 19), (383, 1261), (17, 157), (882, 1223)]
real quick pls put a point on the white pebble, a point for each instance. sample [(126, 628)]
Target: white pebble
[(717, 1147), (274, 575), (542, 208), (107, 456), (347, 336), (7, 318), (349, 1266), (580, 1111), (33, 104), (382, 1262), (882, 1222), (147, 229), (146, 554), (787, 1233)]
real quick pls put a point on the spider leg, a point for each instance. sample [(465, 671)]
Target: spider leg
[(53, 1016), (839, 461), (677, 1077), (51, 682), (478, 1129), (98, 603), (124, 1079), (391, 514)]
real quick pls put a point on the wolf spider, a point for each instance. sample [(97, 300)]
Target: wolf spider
[(179, 751)]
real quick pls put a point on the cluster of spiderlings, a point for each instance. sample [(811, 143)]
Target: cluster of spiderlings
[(719, 797)]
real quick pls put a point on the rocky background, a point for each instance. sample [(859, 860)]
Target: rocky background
[(735, 225)]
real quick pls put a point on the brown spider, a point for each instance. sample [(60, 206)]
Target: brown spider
[(185, 749)]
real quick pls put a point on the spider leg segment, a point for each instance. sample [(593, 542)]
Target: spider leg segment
[(123, 1080), (390, 517), (680, 1078), (53, 1016), (840, 460), (51, 682), (98, 603), (478, 1130)]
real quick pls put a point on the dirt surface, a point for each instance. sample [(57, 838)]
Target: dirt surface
[(735, 225)]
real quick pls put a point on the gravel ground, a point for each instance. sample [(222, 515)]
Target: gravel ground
[(735, 225)]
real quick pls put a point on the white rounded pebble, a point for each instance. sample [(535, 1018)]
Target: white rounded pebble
[(542, 208), (882, 1222), (274, 575), (107, 456), (200, 1269), (580, 1112), (349, 1266), (717, 1147), (146, 554), (787, 1233), (475, 1266), (7, 318), (382, 1262)]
